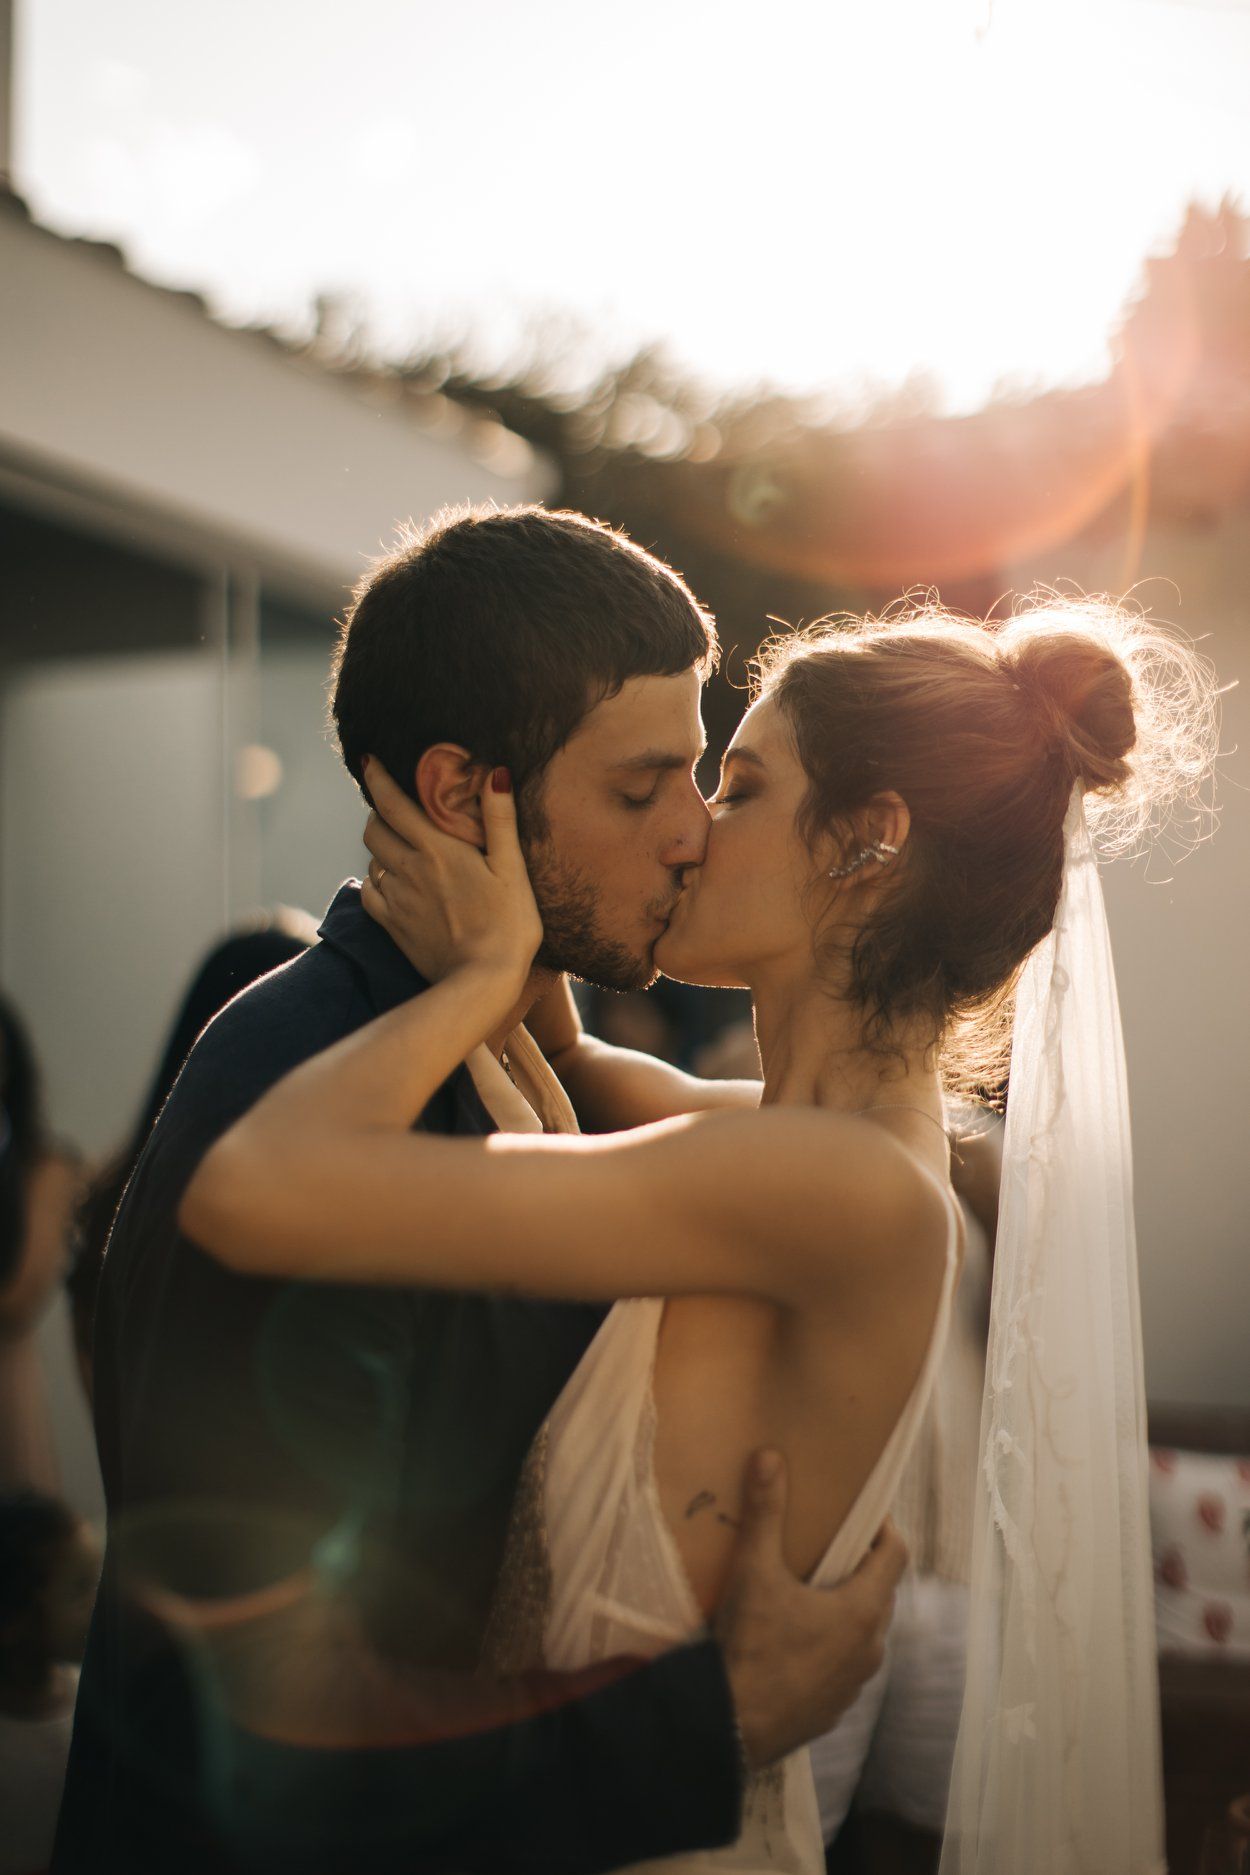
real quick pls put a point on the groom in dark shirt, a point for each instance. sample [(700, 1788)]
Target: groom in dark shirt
[(309, 1487)]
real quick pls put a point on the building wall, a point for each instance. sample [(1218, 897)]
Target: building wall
[(121, 386), (110, 876), (309, 829), (125, 852), (111, 866), (1180, 949)]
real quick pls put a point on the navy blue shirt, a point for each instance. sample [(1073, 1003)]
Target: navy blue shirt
[(249, 1428)]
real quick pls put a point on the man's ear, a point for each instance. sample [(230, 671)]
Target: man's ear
[(449, 786)]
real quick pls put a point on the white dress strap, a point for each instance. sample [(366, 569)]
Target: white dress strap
[(866, 1515)]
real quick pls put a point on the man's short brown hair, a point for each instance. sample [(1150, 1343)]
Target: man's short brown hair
[(500, 629)]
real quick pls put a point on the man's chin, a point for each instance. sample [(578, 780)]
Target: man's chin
[(603, 966), (575, 942)]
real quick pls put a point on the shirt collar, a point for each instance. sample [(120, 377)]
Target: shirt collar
[(389, 978)]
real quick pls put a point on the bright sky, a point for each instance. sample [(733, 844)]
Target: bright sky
[(805, 191)]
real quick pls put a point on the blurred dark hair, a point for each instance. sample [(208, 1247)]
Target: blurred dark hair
[(239, 960), (23, 1136), (34, 1529), (500, 629)]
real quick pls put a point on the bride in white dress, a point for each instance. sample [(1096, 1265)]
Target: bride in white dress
[(887, 849)]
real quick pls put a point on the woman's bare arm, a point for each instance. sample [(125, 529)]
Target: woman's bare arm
[(614, 1088), (322, 1179)]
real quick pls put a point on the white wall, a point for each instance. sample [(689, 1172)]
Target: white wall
[(138, 392), (111, 878), (309, 830), (111, 867), (1181, 961), (123, 858)]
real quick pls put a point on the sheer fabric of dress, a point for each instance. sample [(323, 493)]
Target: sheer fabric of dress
[(1057, 1766), (592, 1570)]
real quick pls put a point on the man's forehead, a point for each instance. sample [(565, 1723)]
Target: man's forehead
[(649, 722)]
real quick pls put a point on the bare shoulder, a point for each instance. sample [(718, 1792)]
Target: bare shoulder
[(824, 1183)]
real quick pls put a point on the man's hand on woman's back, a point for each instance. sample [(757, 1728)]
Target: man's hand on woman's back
[(797, 1656)]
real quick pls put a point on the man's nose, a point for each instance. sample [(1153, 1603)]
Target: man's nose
[(687, 842)]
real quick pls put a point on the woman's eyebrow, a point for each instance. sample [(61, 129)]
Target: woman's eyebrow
[(740, 753)]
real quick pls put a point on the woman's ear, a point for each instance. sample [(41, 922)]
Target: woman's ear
[(449, 786), (878, 830), (887, 820)]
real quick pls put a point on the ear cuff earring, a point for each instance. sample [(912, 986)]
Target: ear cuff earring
[(880, 850)]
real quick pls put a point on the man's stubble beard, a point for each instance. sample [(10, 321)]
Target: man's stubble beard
[(573, 941)]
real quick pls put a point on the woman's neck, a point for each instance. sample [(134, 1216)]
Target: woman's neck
[(813, 1055)]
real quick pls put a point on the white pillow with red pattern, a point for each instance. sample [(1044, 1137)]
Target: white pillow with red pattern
[(1200, 1536)]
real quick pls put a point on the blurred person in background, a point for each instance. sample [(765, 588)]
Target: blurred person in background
[(49, 1566), (40, 1180), (241, 958)]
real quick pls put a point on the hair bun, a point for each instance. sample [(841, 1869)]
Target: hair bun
[(1082, 691)]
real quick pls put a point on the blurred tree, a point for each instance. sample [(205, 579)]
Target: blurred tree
[(783, 508)]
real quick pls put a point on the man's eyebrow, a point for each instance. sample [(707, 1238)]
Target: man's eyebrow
[(657, 759)]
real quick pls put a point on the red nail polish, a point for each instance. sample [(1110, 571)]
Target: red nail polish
[(501, 781)]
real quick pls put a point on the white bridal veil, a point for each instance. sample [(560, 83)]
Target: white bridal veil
[(1057, 1764)]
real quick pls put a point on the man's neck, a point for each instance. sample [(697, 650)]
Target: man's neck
[(537, 985)]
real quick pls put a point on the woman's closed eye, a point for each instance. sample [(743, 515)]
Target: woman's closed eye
[(727, 800)]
